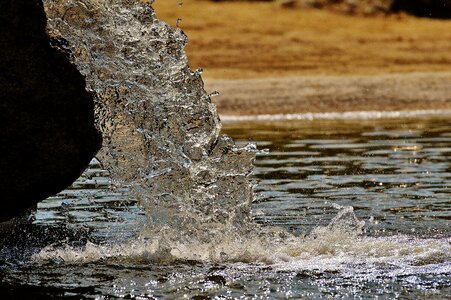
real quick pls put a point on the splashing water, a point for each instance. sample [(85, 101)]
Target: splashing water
[(338, 247), (161, 130), (162, 140)]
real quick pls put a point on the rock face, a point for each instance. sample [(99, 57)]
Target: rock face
[(47, 132)]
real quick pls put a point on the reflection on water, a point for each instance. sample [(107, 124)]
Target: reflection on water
[(395, 173)]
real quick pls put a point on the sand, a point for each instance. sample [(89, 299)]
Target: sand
[(394, 92), (264, 59)]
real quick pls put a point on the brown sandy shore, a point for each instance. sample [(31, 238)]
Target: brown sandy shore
[(317, 94), (264, 59)]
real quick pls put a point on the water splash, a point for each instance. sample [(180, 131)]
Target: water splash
[(161, 131), (162, 139), (339, 246)]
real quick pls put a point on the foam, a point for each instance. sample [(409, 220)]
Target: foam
[(340, 246)]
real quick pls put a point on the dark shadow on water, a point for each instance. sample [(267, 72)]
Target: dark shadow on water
[(9, 291), (20, 241)]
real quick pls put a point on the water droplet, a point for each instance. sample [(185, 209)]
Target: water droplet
[(213, 94)]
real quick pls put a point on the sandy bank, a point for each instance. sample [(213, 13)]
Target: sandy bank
[(264, 59), (234, 40), (318, 94)]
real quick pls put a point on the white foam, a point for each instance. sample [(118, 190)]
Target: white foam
[(326, 249), (350, 115)]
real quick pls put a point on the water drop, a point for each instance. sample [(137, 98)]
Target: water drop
[(213, 94)]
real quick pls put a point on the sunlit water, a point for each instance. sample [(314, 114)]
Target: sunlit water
[(396, 173), (192, 234)]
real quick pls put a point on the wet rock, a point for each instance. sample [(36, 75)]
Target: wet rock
[(47, 132)]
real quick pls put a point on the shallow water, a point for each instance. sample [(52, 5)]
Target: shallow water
[(396, 173)]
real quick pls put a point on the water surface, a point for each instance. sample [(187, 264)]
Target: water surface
[(395, 173)]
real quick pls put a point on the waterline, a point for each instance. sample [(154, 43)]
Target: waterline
[(349, 115)]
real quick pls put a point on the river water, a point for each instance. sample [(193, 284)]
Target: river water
[(349, 209), (316, 182)]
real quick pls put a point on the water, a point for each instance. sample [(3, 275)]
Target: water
[(160, 128), (394, 172), (171, 218)]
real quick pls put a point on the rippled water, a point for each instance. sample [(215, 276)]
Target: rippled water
[(396, 173), (191, 235)]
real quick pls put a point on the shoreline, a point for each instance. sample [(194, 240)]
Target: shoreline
[(316, 95), (352, 115), (267, 60)]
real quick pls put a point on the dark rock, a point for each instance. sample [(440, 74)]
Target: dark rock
[(47, 132), (421, 8), (424, 8)]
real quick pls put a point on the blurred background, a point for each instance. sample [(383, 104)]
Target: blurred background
[(238, 40)]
